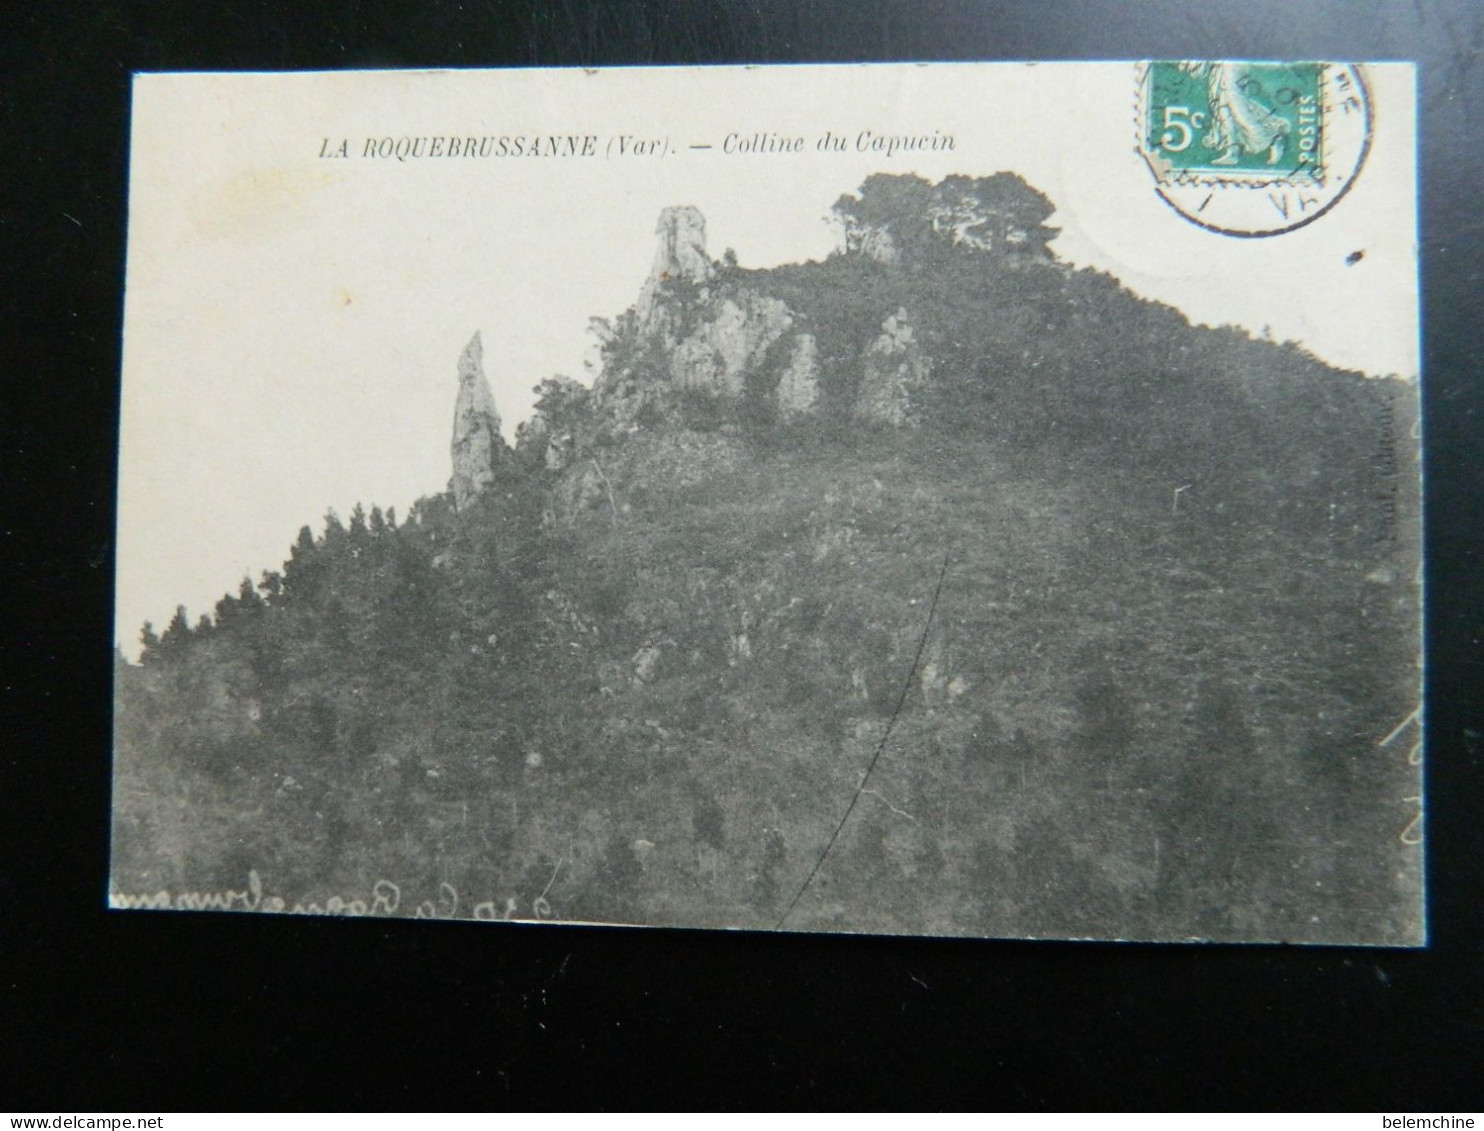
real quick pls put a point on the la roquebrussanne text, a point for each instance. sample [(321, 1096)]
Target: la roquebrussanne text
[(757, 143)]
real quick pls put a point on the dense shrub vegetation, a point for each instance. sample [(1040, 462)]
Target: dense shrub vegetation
[(1175, 620)]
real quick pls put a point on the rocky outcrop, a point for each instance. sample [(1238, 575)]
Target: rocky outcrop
[(558, 451), (546, 440), (539, 446), (586, 489), (798, 388), (682, 245), (878, 244), (698, 329), (532, 439), (580, 491), (626, 402), (893, 370), (939, 685), (477, 447), (679, 256), (694, 332), (718, 356)]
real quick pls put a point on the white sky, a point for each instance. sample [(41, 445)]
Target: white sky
[(293, 324)]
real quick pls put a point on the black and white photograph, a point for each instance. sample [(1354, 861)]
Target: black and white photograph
[(946, 500)]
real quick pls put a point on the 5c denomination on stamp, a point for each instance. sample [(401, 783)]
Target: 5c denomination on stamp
[(1253, 149)]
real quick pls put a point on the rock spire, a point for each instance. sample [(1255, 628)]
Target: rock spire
[(477, 446), (680, 254)]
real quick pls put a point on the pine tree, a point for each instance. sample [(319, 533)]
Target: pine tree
[(334, 530), (177, 635), (908, 218), (149, 643), (891, 212), (1003, 209), (359, 534), (271, 584), (226, 611), (248, 600), (302, 572)]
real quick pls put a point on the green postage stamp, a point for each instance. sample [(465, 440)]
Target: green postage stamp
[(1249, 118), (1252, 148)]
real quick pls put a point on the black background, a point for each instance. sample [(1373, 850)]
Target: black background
[(159, 1011)]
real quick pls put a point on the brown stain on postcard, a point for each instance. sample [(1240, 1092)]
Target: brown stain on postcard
[(257, 201)]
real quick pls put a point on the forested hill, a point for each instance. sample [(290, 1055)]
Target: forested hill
[(634, 668)]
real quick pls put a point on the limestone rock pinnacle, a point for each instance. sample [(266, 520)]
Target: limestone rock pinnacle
[(477, 445), (680, 254)]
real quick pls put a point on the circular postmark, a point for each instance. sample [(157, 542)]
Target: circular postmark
[(1252, 149)]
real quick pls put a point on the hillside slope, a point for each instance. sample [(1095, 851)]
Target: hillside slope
[(640, 673)]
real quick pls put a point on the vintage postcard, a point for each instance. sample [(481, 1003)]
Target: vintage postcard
[(925, 499)]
